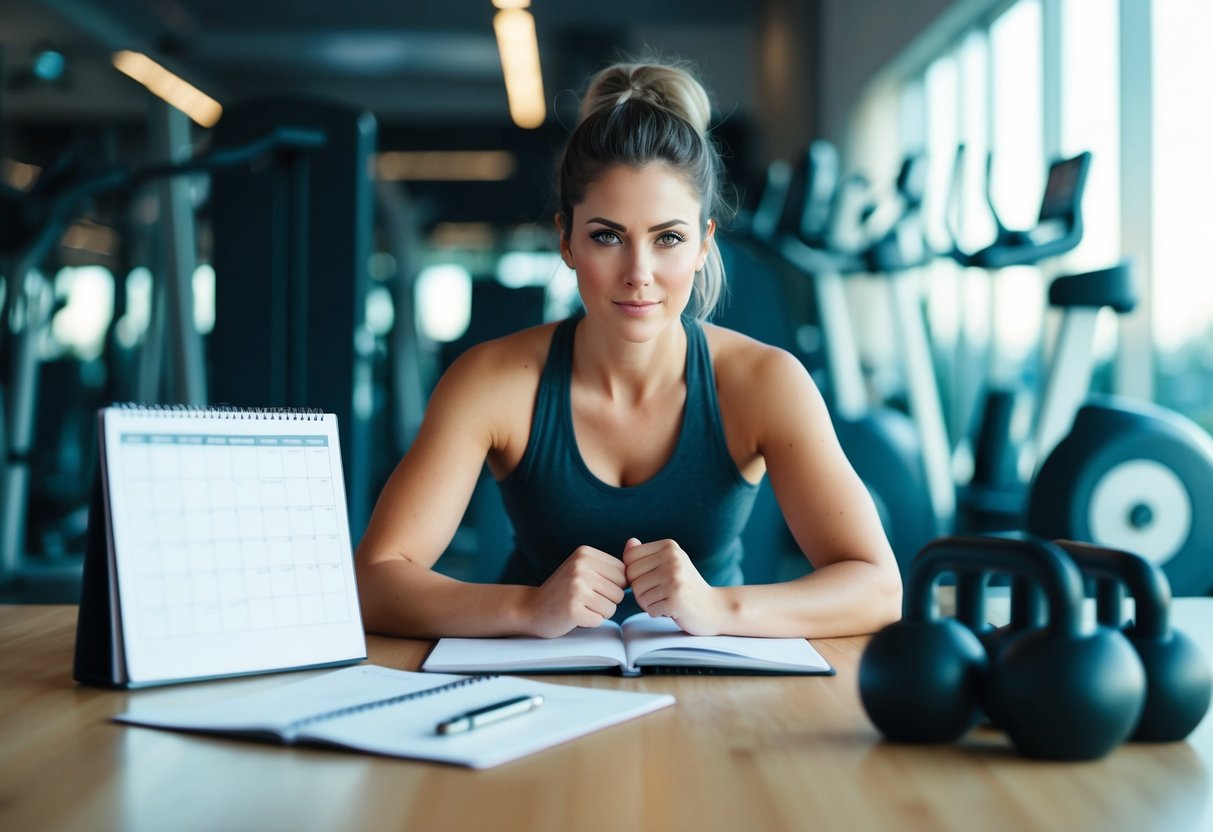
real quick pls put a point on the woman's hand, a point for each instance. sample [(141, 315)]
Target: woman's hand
[(582, 592), (666, 583)]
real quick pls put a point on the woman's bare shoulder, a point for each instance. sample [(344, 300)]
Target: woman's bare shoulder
[(505, 361), (490, 389), (758, 385), (741, 361)]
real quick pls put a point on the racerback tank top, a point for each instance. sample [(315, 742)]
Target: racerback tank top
[(699, 498)]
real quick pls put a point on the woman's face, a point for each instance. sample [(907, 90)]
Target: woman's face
[(635, 242)]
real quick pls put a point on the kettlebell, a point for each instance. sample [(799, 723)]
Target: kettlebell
[(1065, 691), (920, 677), (1060, 692), (1178, 680)]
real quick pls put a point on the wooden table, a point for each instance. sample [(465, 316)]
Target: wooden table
[(740, 753)]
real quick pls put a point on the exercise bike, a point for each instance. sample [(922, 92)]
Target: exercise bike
[(1106, 470), (880, 442)]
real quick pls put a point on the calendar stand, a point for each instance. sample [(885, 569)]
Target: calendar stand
[(94, 662)]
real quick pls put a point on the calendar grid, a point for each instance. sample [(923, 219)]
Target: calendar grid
[(232, 533)]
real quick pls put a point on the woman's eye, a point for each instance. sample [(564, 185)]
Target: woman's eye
[(671, 239), (608, 238)]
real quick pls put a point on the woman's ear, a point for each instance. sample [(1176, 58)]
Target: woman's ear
[(707, 241), (566, 253)]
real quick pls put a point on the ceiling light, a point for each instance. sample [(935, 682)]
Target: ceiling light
[(20, 175), (519, 48), (463, 236), (85, 235), (446, 165), (512, 4), (179, 93)]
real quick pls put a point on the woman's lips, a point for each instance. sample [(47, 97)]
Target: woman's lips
[(636, 308)]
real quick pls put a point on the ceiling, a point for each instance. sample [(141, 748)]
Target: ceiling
[(428, 71), (405, 60)]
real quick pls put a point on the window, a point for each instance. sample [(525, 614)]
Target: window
[(1090, 120), (1183, 189), (1017, 179), (1017, 113), (444, 301), (79, 327)]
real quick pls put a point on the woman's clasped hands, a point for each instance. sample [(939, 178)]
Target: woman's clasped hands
[(588, 587)]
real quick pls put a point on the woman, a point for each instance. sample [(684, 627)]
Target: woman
[(629, 441)]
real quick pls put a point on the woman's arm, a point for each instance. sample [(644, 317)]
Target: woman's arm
[(855, 586), (481, 405), (774, 413), (418, 512)]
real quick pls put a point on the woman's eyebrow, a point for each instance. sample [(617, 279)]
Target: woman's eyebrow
[(670, 224), (601, 221), (617, 227)]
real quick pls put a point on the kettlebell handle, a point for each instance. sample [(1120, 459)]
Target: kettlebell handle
[(1018, 554), (1146, 583)]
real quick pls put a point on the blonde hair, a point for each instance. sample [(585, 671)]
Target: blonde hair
[(638, 114)]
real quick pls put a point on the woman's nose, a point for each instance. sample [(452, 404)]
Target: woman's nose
[(639, 269)]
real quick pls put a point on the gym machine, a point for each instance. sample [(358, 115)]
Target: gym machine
[(995, 494), (36, 224), (292, 243), (1106, 470), (881, 443)]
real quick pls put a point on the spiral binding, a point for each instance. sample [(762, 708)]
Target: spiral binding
[(222, 411), (391, 700)]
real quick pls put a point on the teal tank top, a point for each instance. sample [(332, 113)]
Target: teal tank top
[(556, 504)]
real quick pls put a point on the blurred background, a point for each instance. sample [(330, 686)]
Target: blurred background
[(347, 274)]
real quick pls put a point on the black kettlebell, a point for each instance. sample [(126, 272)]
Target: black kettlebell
[(920, 677), (1067, 691), (1178, 680)]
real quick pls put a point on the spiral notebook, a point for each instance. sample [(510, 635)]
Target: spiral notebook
[(218, 545), (396, 713)]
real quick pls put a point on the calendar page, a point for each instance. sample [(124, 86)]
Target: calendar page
[(230, 541)]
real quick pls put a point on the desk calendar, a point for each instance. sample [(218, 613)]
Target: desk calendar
[(219, 545)]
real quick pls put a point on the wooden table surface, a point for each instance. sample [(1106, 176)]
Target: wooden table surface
[(742, 753)]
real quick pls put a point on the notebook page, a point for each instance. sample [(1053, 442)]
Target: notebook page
[(277, 708), (231, 543), (645, 636), (582, 647), (408, 729)]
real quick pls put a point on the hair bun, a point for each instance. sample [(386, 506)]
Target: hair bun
[(662, 85)]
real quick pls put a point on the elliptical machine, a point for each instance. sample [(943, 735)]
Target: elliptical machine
[(893, 252)]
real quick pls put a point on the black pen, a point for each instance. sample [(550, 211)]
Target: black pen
[(489, 714)]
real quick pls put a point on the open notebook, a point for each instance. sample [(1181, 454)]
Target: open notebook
[(396, 713), (640, 644)]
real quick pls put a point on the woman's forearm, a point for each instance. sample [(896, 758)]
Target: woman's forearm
[(401, 599), (842, 599)]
